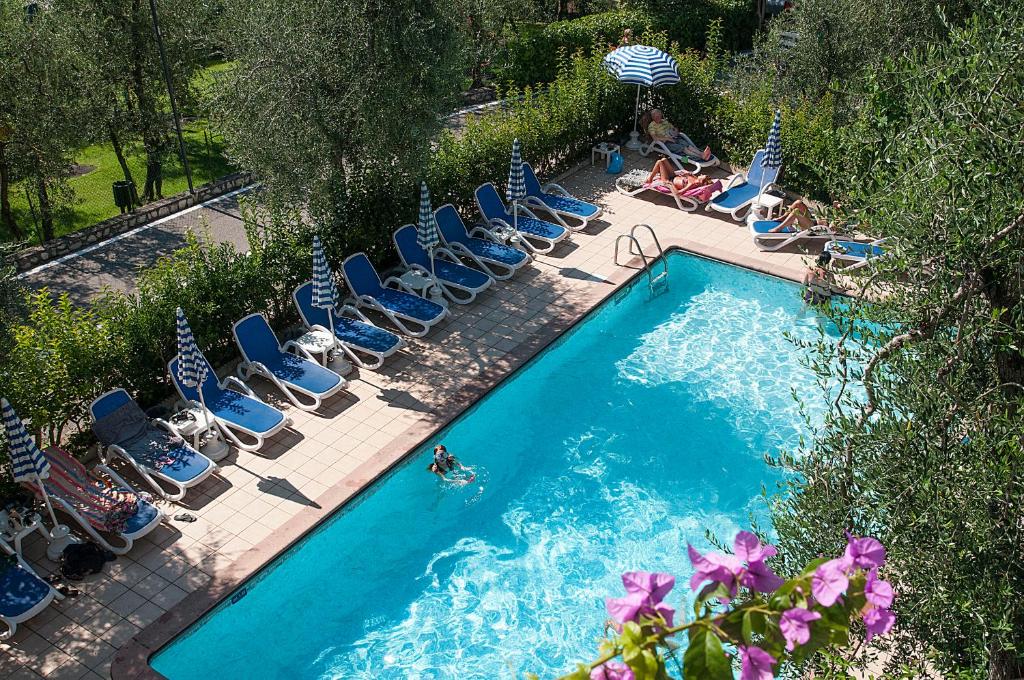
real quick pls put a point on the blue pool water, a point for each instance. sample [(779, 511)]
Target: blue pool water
[(629, 437)]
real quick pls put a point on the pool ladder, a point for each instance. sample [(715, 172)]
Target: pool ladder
[(636, 249)]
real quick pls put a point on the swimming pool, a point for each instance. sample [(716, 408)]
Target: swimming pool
[(629, 437)]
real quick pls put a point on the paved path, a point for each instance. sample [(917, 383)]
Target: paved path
[(115, 263)]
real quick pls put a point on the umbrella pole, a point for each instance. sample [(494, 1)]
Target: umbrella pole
[(46, 501), (634, 136)]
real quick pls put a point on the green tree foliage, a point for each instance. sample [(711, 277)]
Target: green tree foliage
[(922, 446), (42, 111), (328, 94)]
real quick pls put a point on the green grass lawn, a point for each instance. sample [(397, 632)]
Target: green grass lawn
[(93, 199)]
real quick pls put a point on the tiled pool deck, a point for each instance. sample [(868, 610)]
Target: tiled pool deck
[(261, 502)]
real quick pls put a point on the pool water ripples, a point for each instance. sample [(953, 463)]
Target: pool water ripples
[(634, 434)]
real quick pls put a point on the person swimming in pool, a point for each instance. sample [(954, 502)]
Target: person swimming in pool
[(444, 463)]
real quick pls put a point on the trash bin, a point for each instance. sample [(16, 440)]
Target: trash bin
[(123, 195)]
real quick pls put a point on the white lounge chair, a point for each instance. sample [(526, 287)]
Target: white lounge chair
[(557, 202), (633, 183), (498, 260), (391, 297), (459, 283), (532, 229), (768, 240), (856, 253), (22, 593), (99, 506), (680, 159), (743, 189), (147, 452), (292, 374)]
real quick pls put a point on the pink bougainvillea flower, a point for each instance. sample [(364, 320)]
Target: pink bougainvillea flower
[(759, 576), (749, 549), (656, 585), (866, 553), (830, 581), (644, 594), (612, 670), (756, 664), (879, 593), (795, 626), (878, 621), (715, 567)]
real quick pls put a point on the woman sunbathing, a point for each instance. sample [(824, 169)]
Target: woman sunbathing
[(798, 218), (679, 181)]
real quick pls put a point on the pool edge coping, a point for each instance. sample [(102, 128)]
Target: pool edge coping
[(132, 661)]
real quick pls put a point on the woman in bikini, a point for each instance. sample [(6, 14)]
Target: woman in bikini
[(679, 181)]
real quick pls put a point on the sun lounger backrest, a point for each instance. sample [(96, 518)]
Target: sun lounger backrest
[(257, 340), (490, 203), (313, 316), (109, 403), (362, 278), (532, 183), (453, 230), (758, 175), (405, 241)]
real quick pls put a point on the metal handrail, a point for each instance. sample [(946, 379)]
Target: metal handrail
[(636, 249)]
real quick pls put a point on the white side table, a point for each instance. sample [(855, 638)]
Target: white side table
[(604, 150), (320, 343), (507, 235), (769, 202), (200, 424), (14, 532), (424, 286)]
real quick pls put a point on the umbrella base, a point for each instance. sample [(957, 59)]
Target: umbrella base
[(634, 141), (59, 539)]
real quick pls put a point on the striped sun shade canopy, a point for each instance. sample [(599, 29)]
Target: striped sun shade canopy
[(642, 65)]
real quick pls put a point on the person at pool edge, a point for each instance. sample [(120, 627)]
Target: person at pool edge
[(818, 281), (444, 463)]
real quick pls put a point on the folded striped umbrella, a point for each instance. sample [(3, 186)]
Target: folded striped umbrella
[(28, 464), (773, 149), (516, 190), (191, 362), (325, 293), (427, 235)]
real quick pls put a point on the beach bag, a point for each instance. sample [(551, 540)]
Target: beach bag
[(615, 164), (83, 559)]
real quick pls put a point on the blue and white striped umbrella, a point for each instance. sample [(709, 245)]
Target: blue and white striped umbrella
[(516, 190), (642, 65), (27, 461), (427, 236), (773, 149), (325, 293), (191, 362)]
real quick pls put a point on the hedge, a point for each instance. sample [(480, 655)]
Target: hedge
[(533, 55), (64, 356)]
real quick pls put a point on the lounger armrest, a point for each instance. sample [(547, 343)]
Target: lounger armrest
[(164, 425), (398, 284), (299, 349), (103, 450), (481, 231), (553, 188), (737, 178), (232, 381), (449, 255), (352, 309), (523, 210)]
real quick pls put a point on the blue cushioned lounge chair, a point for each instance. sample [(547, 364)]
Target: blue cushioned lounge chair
[(357, 337), (234, 412), (497, 259), (533, 229), (856, 254), (293, 374), (742, 189), (768, 240), (181, 468), (410, 313), (558, 202), (22, 593), (458, 282)]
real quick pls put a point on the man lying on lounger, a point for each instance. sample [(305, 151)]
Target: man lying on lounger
[(660, 130), (444, 464)]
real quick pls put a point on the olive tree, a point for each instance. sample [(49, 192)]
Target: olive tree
[(922, 446), (326, 94)]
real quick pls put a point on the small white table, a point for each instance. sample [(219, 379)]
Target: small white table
[(507, 235), (424, 286), (321, 343), (604, 150), (14, 530), (769, 202), (200, 424)]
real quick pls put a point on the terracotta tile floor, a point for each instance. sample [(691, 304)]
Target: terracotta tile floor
[(255, 494)]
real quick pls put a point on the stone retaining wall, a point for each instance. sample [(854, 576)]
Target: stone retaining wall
[(29, 258)]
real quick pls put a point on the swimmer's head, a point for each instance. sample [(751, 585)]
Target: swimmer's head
[(439, 448)]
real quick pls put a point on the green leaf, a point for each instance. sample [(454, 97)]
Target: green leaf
[(705, 659)]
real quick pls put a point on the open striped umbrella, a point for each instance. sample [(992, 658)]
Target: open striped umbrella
[(644, 66), (516, 190), (28, 463), (427, 236), (192, 366), (773, 148)]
